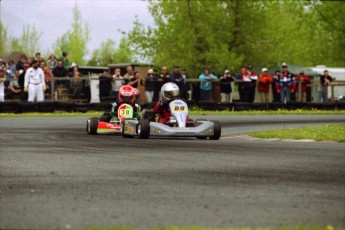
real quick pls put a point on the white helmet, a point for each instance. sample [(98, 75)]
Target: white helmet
[(170, 91)]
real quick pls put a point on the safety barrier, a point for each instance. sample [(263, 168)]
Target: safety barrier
[(66, 106)]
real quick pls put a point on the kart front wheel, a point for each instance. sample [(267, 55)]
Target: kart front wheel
[(92, 125), (217, 131), (143, 129)]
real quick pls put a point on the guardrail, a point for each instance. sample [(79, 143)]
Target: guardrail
[(57, 93)]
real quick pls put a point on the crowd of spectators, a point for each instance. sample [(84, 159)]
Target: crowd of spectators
[(283, 85)]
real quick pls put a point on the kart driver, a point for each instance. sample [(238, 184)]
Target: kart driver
[(126, 95), (169, 92)]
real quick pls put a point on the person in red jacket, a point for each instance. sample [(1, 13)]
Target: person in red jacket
[(169, 92), (304, 80), (265, 79)]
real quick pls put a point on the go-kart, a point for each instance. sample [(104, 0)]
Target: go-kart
[(105, 124), (177, 126)]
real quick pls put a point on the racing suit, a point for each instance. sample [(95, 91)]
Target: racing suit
[(162, 111)]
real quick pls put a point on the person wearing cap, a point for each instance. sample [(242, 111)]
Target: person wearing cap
[(265, 79), (206, 79), (116, 82), (225, 86), (149, 83), (302, 80), (286, 84), (34, 82), (2, 85), (322, 94), (177, 78), (248, 86)]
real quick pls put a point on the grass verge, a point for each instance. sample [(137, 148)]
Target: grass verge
[(318, 133)]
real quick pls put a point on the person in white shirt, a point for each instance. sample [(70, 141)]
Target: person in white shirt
[(116, 82), (2, 85), (34, 82)]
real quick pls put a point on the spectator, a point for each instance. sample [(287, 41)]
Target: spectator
[(176, 77), (225, 86), (304, 80), (265, 80), (65, 60), (149, 83), (21, 80), (48, 78), (129, 75), (21, 62), (206, 85), (325, 79), (14, 87), (58, 72), (52, 62), (163, 78), (38, 57), (104, 85), (135, 80), (30, 60), (2, 85), (187, 86), (286, 84), (42, 64), (248, 86), (11, 67), (35, 82), (275, 82), (76, 85), (116, 82)]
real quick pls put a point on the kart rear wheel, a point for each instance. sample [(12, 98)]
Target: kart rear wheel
[(92, 125), (217, 131), (143, 129)]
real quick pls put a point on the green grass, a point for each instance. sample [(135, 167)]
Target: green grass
[(318, 133), (191, 112)]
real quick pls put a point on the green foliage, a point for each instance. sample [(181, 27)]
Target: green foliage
[(74, 42), (29, 42), (4, 40), (108, 53), (233, 33), (123, 54)]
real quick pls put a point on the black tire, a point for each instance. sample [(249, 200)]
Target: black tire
[(217, 131), (143, 129), (92, 125), (104, 118)]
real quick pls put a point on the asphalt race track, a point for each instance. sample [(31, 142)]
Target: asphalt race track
[(53, 174)]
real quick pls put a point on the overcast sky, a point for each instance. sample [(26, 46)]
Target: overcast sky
[(54, 18)]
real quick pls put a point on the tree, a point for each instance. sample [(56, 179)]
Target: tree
[(123, 54), (235, 33), (104, 55), (29, 41), (108, 53), (74, 42), (4, 40)]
